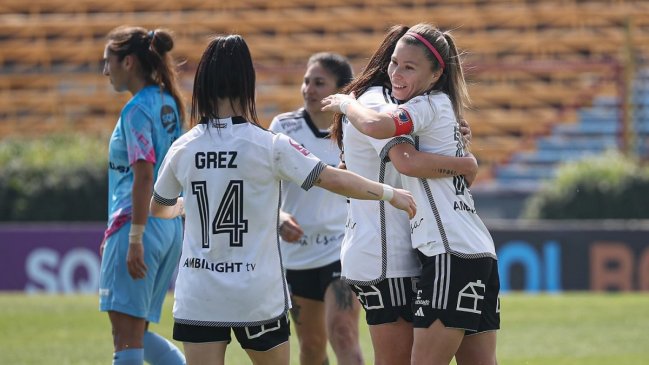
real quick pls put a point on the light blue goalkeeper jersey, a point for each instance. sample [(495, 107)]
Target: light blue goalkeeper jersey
[(147, 126)]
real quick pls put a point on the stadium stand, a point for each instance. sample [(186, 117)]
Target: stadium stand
[(531, 64)]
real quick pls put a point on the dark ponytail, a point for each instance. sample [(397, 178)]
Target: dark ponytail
[(374, 74), (151, 48)]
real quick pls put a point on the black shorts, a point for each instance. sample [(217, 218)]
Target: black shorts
[(312, 283), (462, 293), (258, 338), (387, 300)]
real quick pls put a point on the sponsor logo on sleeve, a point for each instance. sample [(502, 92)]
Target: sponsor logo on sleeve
[(299, 147)]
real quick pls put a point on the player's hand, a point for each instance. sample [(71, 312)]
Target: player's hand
[(403, 200), (337, 102), (289, 229), (465, 130), (470, 176), (135, 261)]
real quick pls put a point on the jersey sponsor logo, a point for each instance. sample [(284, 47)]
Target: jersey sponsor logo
[(299, 147), (425, 302), (419, 312), (290, 126), (168, 117), (319, 239), (214, 159), (119, 168), (469, 297), (225, 267), (419, 301), (460, 205)]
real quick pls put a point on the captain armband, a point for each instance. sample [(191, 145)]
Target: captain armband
[(402, 122)]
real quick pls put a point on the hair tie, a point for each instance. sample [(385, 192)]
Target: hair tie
[(150, 36), (429, 46)]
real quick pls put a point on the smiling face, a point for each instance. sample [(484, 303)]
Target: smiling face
[(411, 72), (115, 70), (318, 83)]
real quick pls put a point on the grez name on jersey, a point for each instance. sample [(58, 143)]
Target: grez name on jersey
[(214, 159)]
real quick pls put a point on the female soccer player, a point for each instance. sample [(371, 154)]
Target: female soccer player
[(139, 253), (312, 225), (456, 308), (229, 170), (377, 253)]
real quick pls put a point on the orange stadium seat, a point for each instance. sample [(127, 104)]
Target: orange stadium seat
[(529, 63)]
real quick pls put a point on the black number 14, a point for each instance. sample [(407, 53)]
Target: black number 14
[(229, 215)]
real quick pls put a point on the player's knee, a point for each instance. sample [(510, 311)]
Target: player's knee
[(342, 335), (313, 345)]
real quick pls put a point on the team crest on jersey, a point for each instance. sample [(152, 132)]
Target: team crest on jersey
[(403, 116), (402, 121), (299, 147), (168, 117)]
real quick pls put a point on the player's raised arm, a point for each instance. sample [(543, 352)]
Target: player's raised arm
[(349, 184), (409, 161), (367, 121)]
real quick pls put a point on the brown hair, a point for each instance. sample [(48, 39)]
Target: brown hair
[(374, 74), (336, 64), (151, 48), (451, 81), (225, 71)]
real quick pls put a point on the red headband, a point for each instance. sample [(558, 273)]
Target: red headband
[(429, 46)]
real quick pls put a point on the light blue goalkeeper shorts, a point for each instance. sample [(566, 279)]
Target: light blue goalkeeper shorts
[(141, 298)]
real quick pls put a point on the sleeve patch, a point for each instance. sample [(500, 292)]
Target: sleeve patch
[(402, 122), (299, 147)]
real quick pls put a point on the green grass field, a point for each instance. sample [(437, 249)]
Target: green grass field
[(574, 329)]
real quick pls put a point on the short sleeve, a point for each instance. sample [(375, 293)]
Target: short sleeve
[(295, 163), (418, 111), (167, 188), (385, 152), (138, 127), (377, 100)]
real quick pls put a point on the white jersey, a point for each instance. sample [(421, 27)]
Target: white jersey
[(377, 237), (446, 220), (319, 212), (229, 171)]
